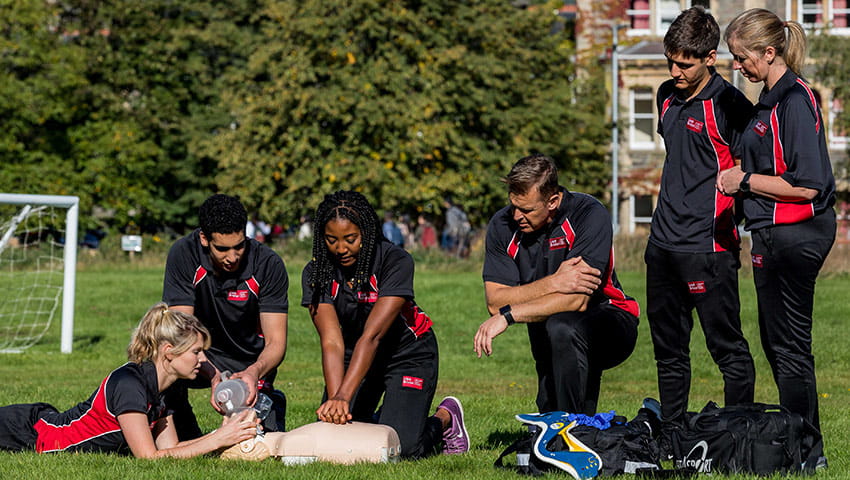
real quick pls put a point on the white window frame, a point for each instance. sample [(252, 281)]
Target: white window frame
[(634, 219), (827, 10), (657, 15), (633, 13), (671, 14), (646, 93)]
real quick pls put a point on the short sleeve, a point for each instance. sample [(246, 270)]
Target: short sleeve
[(395, 275), (177, 287), (799, 132), (274, 291), (125, 392), (593, 233), (499, 266)]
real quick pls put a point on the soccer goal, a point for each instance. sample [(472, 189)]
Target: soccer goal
[(38, 258)]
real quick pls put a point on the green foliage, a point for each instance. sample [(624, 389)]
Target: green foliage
[(404, 101), (833, 55), (145, 108)]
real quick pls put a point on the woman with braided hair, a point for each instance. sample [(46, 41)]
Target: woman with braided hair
[(128, 412), (375, 340)]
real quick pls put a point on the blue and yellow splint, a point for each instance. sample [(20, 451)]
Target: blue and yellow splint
[(578, 460)]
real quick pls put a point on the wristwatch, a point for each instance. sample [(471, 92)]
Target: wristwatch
[(506, 312), (745, 183)]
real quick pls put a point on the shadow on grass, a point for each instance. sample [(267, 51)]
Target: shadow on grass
[(500, 439), (86, 342)]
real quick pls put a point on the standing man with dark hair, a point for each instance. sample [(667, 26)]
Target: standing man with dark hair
[(237, 287), (549, 263), (692, 257)]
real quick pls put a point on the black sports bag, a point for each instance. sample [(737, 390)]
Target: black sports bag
[(754, 438)]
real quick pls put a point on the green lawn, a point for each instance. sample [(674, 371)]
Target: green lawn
[(110, 301)]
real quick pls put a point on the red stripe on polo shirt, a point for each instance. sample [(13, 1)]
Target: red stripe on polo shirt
[(95, 422), (569, 232), (200, 274), (725, 234), (513, 246), (416, 320), (665, 106), (253, 286), (785, 212), (617, 296)]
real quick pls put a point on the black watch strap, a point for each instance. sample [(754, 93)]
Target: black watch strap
[(506, 312), (745, 183)]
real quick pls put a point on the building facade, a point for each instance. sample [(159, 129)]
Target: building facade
[(640, 26)]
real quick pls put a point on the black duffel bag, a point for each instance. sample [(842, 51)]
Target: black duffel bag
[(754, 438)]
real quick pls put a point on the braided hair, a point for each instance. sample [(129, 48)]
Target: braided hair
[(354, 207)]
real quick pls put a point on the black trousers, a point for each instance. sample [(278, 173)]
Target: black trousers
[(407, 381), (676, 284), (571, 349), (16, 425), (185, 422), (786, 263)]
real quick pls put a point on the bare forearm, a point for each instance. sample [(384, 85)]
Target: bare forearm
[(361, 361), (541, 308), (501, 295)]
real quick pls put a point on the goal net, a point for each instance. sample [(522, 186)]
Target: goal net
[(38, 253)]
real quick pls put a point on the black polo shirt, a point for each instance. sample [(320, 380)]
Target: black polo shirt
[(92, 425), (691, 215), (392, 276), (228, 305), (581, 227), (786, 137)]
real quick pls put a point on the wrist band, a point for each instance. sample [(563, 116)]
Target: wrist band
[(506, 312)]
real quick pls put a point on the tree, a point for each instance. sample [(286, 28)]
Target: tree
[(405, 101), (833, 55)]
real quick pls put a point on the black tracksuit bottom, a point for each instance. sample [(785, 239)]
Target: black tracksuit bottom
[(676, 284), (786, 262), (571, 349)]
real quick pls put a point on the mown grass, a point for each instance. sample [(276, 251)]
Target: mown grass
[(112, 295)]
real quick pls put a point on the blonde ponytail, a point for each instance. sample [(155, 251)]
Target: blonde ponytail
[(163, 325), (756, 29)]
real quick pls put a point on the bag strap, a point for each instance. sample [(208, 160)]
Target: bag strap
[(530, 469)]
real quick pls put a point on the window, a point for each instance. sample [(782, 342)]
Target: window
[(640, 211), (653, 17), (668, 10), (831, 14), (811, 13), (840, 15), (837, 134), (639, 13), (641, 119)]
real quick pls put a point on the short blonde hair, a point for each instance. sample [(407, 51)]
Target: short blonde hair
[(163, 325)]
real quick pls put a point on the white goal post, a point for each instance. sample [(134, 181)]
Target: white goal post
[(27, 207)]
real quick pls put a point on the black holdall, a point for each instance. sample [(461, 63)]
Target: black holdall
[(584, 451), (754, 438)]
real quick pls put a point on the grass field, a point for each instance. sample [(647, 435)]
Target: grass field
[(111, 297)]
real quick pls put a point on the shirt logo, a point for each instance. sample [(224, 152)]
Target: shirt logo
[(364, 297), (557, 243), (760, 128), (758, 261), (694, 125), (237, 295), (411, 382), (697, 286)]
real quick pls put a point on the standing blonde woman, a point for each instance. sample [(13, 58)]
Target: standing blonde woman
[(127, 412), (788, 190)]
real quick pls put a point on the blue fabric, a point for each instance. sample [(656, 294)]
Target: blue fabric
[(602, 420)]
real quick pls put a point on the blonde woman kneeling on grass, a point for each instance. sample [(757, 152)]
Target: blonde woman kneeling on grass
[(127, 412)]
